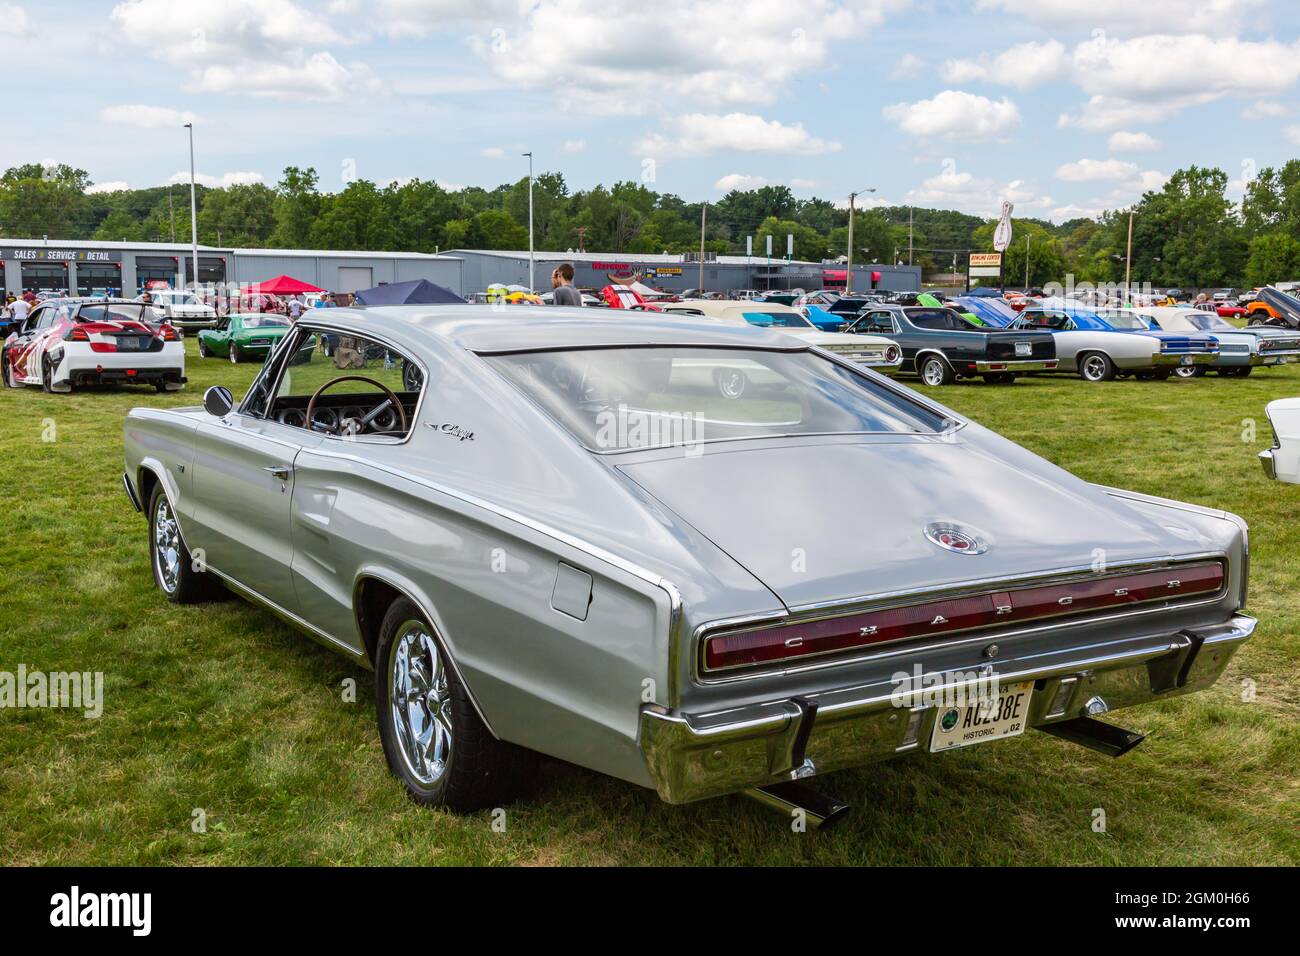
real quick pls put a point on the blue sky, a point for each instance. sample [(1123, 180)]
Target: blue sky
[(1065, 108)]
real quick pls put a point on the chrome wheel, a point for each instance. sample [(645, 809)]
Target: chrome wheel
[(1187, 371), (420, 702), (166, 546), (1094, 368), (932, 372)]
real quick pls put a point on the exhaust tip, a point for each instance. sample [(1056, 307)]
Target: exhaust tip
[(820, 812)]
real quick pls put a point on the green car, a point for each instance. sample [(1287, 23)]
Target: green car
[(248, 335)]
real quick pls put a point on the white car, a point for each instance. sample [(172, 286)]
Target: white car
[(873, 351), (1282, 461), (1240, 350), (66, 343), (184, 310)]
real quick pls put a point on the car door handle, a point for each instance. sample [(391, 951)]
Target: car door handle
[(280, 471)]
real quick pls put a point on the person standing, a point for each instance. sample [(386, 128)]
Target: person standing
[(20, 309), (562, 283)]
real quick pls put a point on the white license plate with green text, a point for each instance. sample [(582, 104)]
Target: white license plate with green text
[(1000, 715)]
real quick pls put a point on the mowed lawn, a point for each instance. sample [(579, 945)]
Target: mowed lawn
[(222, 709)]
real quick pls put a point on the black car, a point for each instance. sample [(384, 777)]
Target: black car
[(941, 346)]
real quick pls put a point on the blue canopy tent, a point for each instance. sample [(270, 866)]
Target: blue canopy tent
[(415, 292)]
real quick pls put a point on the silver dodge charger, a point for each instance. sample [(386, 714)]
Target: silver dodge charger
[(550, 532)]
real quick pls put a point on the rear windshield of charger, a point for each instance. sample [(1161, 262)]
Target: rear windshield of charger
[(620, 399)]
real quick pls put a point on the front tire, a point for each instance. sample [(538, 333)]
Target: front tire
[(1190, 371), (175, 570), (935, 371), (433, 738), (203, 349)]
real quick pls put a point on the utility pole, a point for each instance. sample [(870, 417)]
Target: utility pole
[(848, 272), (529, 154), (909, 235), (1026, 263), (582, 238), (194, 216), (1128, 263), (704, 215), (171, 214)]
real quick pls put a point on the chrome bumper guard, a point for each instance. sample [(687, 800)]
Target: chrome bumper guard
[(695, 756), (1015, 365), (1176, 358), (1269, 465), (1274, 358)]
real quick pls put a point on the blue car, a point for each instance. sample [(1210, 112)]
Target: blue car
[(824, 320)]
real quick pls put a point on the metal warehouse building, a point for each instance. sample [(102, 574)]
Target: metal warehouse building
[(676, 273), (126, 268)]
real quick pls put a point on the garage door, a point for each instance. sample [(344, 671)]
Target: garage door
[(354, 279)]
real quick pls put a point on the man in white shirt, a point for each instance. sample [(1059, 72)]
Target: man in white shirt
[(295, 308), (20, 308)]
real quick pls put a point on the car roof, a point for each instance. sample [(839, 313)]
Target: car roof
[(96, 300), (488, 328)]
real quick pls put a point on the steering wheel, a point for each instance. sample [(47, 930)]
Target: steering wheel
[(353, 426)]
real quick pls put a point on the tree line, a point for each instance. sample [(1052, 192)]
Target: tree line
[(1188, 233)]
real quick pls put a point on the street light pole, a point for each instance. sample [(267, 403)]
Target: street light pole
[(848, 272), (194, 217), (1026, 263), (1128, 262), (529, 154)]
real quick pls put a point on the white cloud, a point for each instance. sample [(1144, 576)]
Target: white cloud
[(908, 66), (1264, 109), (113, 186), (1293, 134), (15, 19), (1023, 66), (1170, 16), (975, 195), (1152, 78), (494, 152), (254, 47), (1126, 142), (739, 181), (145, 117), (797, 183), (596, 56), (1096, 171), (575, 145), (956, 114), (699, 134), (243, 178)]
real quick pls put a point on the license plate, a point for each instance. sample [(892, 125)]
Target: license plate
[(1024, 348), (1187, 359), (129, 343), (992, 718)]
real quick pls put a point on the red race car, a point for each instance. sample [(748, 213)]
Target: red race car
[(65, 343)]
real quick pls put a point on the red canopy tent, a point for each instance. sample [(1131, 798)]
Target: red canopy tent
[(281, 285)]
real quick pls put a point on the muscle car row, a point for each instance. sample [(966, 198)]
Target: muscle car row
[(555, 532)]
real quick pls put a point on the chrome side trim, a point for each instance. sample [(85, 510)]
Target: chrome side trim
[(289, 617)]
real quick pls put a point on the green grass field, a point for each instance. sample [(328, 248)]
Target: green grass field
[(222, 708)]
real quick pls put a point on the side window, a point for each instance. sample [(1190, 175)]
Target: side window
[(354, 381)]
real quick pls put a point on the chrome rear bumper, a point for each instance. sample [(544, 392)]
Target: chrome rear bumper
[(1162, 359), (694, 756), (1016, 365)]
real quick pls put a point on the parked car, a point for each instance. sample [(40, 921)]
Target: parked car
[(66, 343), (1099, 351), (874, 352), (941, 346), (1272, 306), (822, 318), (524, 575), (244, 336), (1240, 350), (184, 310), (1282, 461)]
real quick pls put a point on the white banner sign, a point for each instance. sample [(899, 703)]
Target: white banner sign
[(1002, 235)]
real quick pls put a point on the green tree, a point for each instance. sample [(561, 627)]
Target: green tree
[(356, 218), (297, 205), (809, 244), (1274, 257), (40, 200), (1046, 263), (119, 226), (495, 229), (241, 216)]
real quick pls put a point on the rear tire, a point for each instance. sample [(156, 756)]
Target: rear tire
[(175, 570), (1190, 371), (203, 349), (234, 354), (1096, 367), (936, 371), (433, 738)]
